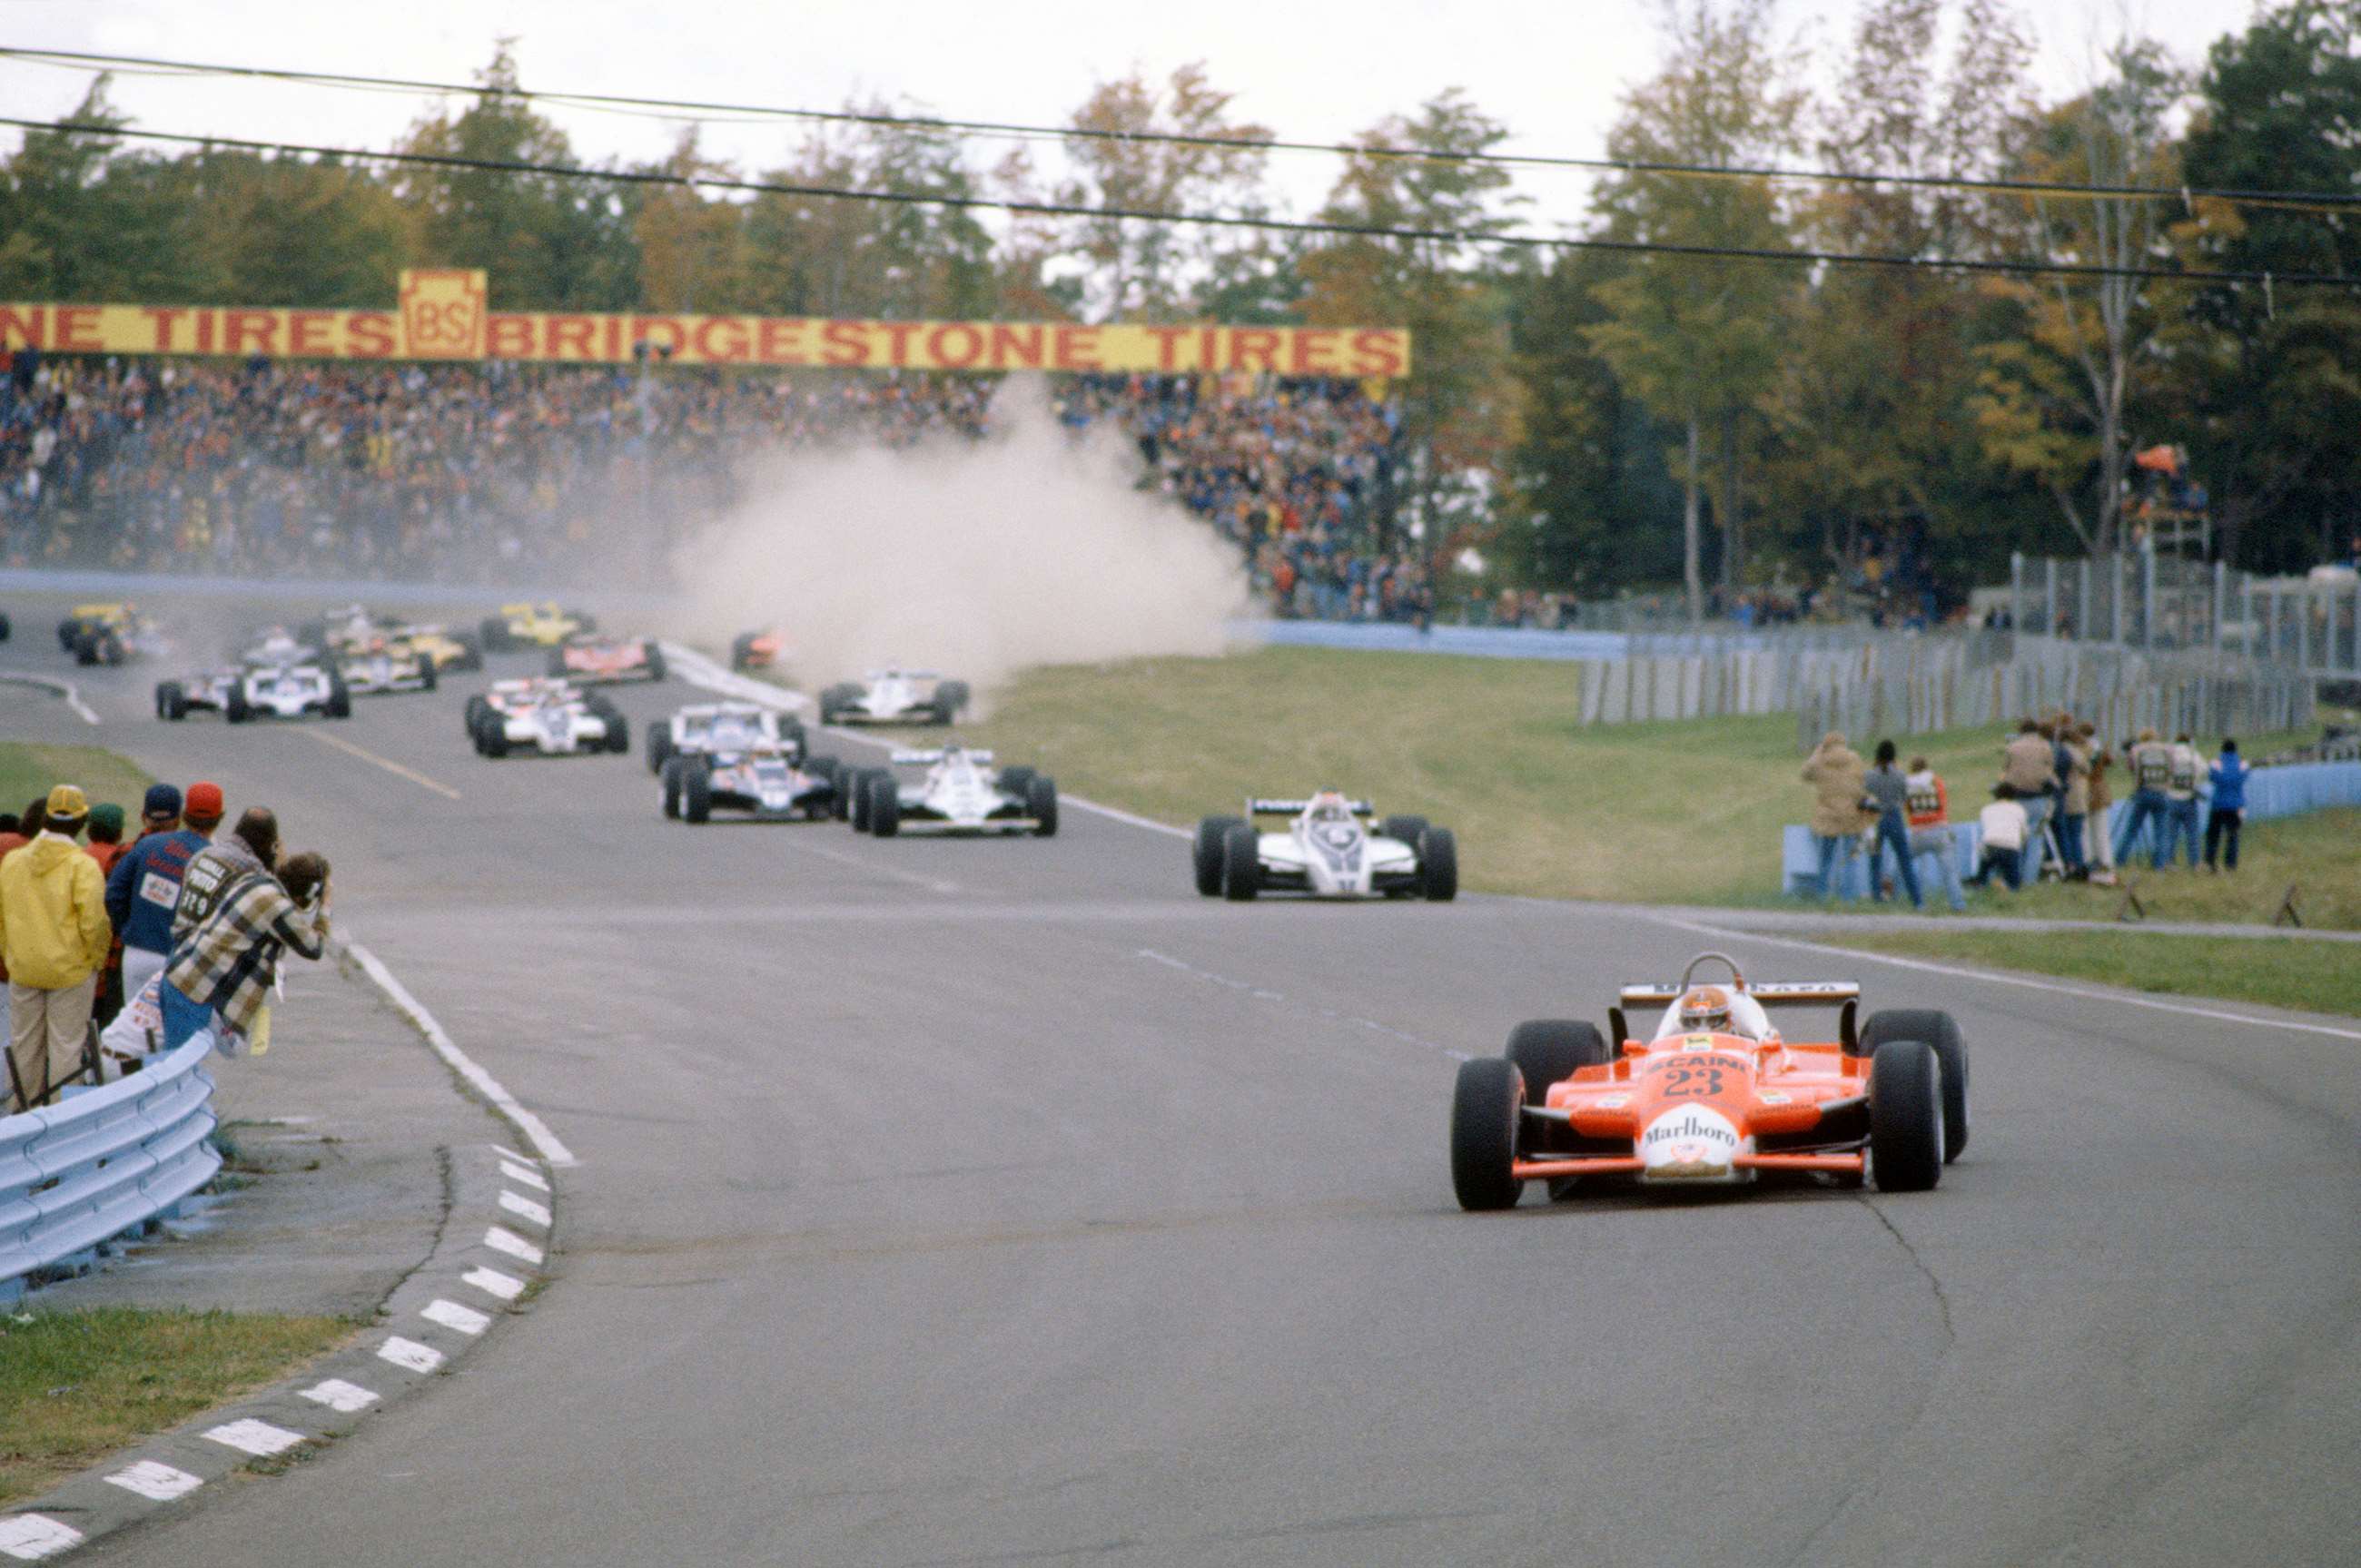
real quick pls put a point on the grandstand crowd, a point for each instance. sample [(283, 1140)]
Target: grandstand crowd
[(496, 473)]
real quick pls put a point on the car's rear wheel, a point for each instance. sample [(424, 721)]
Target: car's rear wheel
[(670, 774), (741, 651), (1438, 865), (428, 677), (856, 798), (169, 702), (1041, 801), (949, 697), (1487, 1104), (1241, 863), (236, 709), (1205, 852), (1941, 1031), (885, 805), (340, 700), (655, 663), (695, 791), (1906, 1116), (659, 744)]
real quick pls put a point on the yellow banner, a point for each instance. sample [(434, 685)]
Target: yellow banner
[(442, 316)]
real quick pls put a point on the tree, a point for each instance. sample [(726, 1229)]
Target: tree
[(550, 242), (1150, 271), (2059, 388), (691, 250), (2262, 381), (1459, 407), (1696, 339)]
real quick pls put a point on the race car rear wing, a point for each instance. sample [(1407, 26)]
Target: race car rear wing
[(1289, 807), (928, 758), (1791, 993)]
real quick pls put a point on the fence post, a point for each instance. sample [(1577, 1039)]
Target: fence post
[(2147, 593), (2116, 595), (2016, 591), (2247, 614), (2221, 599), (2049, 595), (2082, 597)]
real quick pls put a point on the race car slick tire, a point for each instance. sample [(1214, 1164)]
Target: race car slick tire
[(655, 663), (696, 793), (491, 737), (477, 708), (170, 701), (1486, 1106), (659, 744), (885, 805), (427, 675), (741, 652), (1438, 865), (556, 664), (235, 708), (671, 776), (1016, 781), (1406, 828), (836, 699), (340, 700), (1241, 863), (1940, 1030), (619, 732), (1205, 852), (1041, 801), (1906, 1116), (1547, 1051), (855, 795), (949, 697)]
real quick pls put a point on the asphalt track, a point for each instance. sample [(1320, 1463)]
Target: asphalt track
[(1004, 1202)]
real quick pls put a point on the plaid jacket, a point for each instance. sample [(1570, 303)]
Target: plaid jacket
[(228, 962)]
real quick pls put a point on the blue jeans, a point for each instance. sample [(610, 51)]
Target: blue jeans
[(2145, 804), (2028, 860), (2179, 825), (1893, 829), (1835, 858), (1937, 843), (2070, 842), (184, 1019)]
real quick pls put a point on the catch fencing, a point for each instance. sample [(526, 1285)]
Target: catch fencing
[(2162, 602), (103, 1162)]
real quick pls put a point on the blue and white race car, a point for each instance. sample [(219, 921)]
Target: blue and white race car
[(1328, 848)]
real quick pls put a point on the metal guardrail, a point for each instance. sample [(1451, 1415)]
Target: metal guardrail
[(103, 1162)]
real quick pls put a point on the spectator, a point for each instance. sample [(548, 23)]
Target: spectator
[(1929, 804), (251, 845), (22, 830), (54, 934), (2151, 769), (2229, 780), (2031, 777), (2002, 828), (227, 964), (2072, 761), (105, 845), (2189, 766), (1835, 771), (1887, 793), (144, 888), (2098, 845)]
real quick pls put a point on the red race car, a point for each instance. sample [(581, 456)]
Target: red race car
[(1713, 1095), (592, 659)]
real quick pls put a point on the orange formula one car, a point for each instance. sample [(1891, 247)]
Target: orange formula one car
[(1713, 1095)]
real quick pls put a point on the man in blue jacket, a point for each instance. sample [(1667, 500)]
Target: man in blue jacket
[(144, 888), (2229, 778)]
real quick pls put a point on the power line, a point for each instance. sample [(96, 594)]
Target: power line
[(2297, 199), (1210, 220)]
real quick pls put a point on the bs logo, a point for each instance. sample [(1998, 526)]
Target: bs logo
[(442, 314)]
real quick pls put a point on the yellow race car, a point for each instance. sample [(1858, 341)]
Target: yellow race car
[(105, 633), (445, 650), (542, 625)]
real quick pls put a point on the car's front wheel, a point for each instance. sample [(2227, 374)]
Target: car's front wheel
[(1241, 863), (1438, 865), (1041, 800), (1906, 1116), (1487, 1104), (1205, 852), (1941, 1031)]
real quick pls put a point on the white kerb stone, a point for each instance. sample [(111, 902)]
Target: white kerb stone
[(155, 1480), (409, 1354), (525, 1208), (492, 1282), (250, 1436), (451, 1315), (516, 1172), (340, 1395), (28, 1538)]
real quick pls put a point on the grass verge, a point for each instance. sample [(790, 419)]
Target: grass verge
[(2311, 976), (29, 771), (75, 1388), (1687, 812)]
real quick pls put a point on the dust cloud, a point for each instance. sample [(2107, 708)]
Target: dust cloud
[(975, 558)]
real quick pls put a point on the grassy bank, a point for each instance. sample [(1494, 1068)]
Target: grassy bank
[(75, 1388), (1687, 812), (2313, 977), (29, 771)]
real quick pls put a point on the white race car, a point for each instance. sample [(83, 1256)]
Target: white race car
[(894, 696), (960, 793), (768, 781), (1327, 850), (550, 718), (721, 727), (206, 691), (379, 663), (286, 691)]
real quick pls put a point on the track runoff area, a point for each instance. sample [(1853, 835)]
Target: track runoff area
[(1003, 1200)]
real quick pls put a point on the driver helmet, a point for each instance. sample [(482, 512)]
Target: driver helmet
[(1705, 1010), (1329, 806)]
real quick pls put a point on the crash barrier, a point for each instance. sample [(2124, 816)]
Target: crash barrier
[(1919, 685), (2271, 793), (2149, 600), (101, 1162), (107, 586)]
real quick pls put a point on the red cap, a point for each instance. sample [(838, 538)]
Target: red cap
[(204, 800)]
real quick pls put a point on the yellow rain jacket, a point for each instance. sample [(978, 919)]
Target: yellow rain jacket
[(53, 927)]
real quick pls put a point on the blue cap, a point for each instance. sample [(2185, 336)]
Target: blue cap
[(164, 800)]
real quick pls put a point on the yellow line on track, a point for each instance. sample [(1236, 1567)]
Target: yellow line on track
[(388, 763)]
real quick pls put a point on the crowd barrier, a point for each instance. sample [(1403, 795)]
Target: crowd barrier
[(101, 1162), (2289, 791)]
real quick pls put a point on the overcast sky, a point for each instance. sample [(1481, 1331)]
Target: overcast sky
[(1312, 69)]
